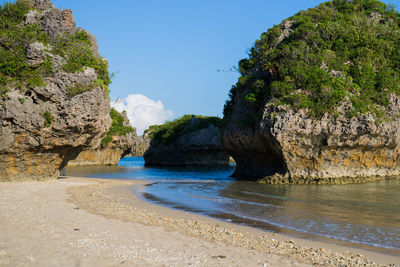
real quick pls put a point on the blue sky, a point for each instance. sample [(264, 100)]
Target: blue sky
[(171, 50)]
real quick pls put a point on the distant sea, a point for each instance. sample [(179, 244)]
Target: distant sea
[(362, 215)]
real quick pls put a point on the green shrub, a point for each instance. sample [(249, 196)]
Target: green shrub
[(251, 98), (3, 92), (48, 119), (172, 130), (78, 50), (14, 12), (117, 127), (106, 140), (14, 39), (339, 49), (80, 88)]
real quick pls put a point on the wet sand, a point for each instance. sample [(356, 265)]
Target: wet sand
[(79, 221)]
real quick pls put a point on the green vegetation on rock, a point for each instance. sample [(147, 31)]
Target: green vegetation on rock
[(342, 49), (14, 40), (78, 50), (15, 37), (81, 88), (117, 127), (49, 119), (172, 130)]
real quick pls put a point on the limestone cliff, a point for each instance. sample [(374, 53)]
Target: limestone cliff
[(311, 106), (140, 145), (118, 143), (53, 97), (188, 141), (291, 147)]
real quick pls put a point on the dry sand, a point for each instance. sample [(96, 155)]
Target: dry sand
[(87, 222)]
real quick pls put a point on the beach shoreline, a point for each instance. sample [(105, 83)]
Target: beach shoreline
[(260, 226), (110, 206)]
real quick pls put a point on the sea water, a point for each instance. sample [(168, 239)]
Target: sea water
[(364, 214)]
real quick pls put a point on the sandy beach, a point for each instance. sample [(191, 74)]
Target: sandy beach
[(88, 222)]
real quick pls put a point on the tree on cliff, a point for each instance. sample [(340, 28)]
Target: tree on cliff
[(342, 49)]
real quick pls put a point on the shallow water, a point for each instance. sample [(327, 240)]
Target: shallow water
[(366, 214)]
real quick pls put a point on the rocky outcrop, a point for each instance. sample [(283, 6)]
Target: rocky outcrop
[(42, 4), (140, 145), (309, 107), (103, 156), (197, 146), (43, 125), (291, 147), (110, 152)]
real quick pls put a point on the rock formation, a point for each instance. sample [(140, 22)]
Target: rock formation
[(140, 145), (188, 141), (109, 152), (50, 113), (291, 147), (305, 111)]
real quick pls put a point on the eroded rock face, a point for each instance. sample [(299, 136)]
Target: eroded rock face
[(141, 145), (44, 127), (41, 4), (290, 147), (110, 153), (198, 148)]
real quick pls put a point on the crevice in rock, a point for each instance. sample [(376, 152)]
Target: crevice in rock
[(257, 157)]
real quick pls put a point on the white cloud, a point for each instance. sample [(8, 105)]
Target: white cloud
[(142, 111)]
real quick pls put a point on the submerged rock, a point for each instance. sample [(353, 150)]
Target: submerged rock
[(310, 110), (117, 144), (50, 113), (188, 141)]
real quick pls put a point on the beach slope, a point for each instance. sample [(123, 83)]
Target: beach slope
[(89, 222)]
